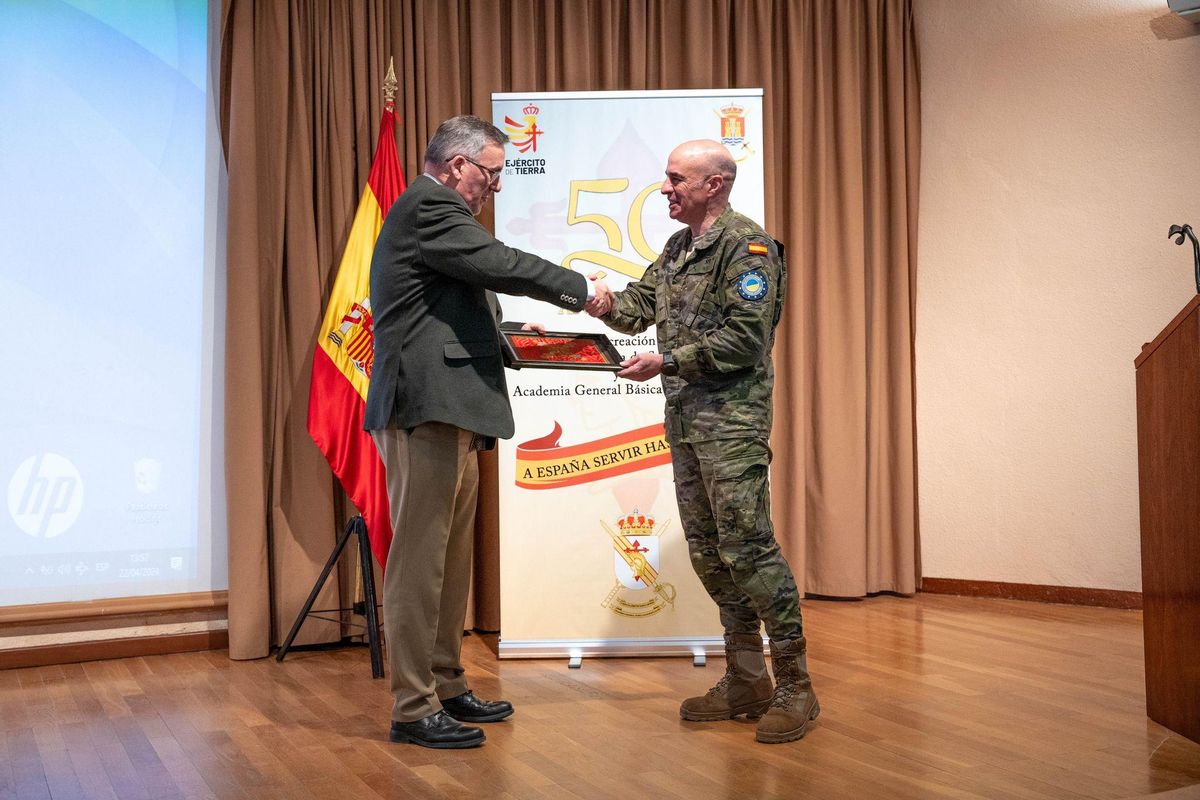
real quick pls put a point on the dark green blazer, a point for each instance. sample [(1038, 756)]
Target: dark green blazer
[(437, 347)]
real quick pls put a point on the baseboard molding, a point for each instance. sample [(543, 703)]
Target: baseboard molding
[(122, 627), (1068, 595), (76, 652), (115, 607)]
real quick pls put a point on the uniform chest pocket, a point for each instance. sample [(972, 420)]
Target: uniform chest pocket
[(703, 314)]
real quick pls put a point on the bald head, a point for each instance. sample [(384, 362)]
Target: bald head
[(700, 175), (708, 157)]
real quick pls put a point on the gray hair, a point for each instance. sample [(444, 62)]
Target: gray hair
[(719, 162), (726, 167), (463, 135)]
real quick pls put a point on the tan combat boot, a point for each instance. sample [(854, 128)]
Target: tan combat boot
[(745, 688), (795, 703)]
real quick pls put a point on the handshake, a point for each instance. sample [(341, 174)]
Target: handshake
[(638, 367), (602, 300)]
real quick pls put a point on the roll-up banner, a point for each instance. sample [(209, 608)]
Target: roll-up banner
[(592, 557)]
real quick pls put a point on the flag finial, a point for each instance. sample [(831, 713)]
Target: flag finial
[(390, 84)]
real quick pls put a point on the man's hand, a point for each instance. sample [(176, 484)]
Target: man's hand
[(641, 367), (602, 302), (535, 327)]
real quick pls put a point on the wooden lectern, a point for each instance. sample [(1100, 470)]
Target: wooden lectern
[(1168, 423)]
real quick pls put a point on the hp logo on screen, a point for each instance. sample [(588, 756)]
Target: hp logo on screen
[(45, 495)]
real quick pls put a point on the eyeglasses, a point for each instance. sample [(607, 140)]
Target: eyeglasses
[(493, 175)]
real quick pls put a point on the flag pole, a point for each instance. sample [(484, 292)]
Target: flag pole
[(342, 366), (390, 85)]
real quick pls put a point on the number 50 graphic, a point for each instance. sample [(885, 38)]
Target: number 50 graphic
[(612, 229)]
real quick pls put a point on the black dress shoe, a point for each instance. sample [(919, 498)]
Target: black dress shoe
[(469, 708), (438, 730)]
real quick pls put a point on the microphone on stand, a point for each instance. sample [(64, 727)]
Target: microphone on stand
[(1186, 230)]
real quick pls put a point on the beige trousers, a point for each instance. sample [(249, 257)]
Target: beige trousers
[(433, 486)]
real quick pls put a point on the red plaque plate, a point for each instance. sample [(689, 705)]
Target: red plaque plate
[(557, 350)]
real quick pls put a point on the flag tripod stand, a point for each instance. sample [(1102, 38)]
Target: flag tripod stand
[(355, 527)]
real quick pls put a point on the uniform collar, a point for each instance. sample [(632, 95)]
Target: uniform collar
[(714, 232), (708, 238)]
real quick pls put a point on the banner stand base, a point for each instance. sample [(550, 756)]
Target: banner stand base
[(695, 647)]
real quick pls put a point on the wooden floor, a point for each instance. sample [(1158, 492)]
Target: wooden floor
[(932, 697)]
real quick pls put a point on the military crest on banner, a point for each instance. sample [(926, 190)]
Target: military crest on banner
[(637, 564), (733, 131)]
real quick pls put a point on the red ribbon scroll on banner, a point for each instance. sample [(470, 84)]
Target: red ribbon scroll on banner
[(543, 464)]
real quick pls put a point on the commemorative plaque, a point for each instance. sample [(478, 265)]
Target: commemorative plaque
[(557, 350)]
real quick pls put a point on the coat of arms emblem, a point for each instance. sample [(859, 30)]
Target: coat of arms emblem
[(636, 562), (355, 335), (733, 131)]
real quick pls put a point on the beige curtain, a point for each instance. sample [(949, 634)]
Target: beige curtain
[(300, 102)]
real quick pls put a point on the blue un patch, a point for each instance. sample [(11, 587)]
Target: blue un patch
[(752, 285)]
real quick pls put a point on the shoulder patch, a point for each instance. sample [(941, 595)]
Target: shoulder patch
[(757, 249), (752, 285)]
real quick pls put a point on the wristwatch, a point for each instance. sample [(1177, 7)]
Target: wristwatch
[(669, 367)]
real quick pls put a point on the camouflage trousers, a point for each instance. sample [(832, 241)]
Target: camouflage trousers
[(725, 509)]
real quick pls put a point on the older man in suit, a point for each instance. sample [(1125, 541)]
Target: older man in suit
[(438, 395)]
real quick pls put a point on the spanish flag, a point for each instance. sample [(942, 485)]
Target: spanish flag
[(346, 350)]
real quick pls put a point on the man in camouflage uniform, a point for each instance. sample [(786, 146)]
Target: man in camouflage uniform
[(715, 294)]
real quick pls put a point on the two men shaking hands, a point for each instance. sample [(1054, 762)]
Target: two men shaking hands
[(437, 394)]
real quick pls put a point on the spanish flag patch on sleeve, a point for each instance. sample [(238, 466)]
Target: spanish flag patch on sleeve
[(757, 249)]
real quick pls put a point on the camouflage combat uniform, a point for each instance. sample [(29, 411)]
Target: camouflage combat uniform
[(716, 302)]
